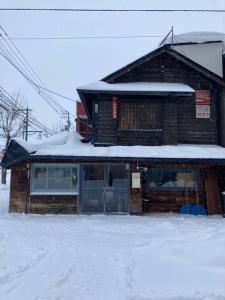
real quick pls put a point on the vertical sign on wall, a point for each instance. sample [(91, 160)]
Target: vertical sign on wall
[(202, 103), (114, 107)]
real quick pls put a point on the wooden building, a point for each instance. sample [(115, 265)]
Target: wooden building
[(157, 141)]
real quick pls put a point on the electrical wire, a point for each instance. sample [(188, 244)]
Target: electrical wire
[(8, 103), (18, 61), (109, 37), (111, 10)]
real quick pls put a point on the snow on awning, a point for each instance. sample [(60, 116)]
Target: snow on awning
[(141, 87), (69, 145)]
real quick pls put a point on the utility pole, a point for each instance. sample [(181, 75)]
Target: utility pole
[(26, 124), (67, 117), (68, 121)]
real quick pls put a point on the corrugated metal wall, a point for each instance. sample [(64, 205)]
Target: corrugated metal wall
[(209, 55)]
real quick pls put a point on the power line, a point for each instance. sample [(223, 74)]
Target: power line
[(40, 88), (55, 93), (8, 102), (109, 37), (112, 10), (87, 37), (17, 60)]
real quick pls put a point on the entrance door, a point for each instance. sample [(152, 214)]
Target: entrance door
[(104, 188)]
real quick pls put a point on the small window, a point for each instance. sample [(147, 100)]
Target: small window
[(54, 179), (179, 179)]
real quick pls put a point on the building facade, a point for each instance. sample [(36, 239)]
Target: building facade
[(156, 142)]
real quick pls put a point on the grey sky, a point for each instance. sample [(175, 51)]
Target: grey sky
[(65, 64)]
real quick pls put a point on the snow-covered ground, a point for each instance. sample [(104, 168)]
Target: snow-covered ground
[(154, 257)]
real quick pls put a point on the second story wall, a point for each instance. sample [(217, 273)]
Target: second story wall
[(152, 120)]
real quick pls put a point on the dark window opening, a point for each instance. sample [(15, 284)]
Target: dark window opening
[(140, 116)]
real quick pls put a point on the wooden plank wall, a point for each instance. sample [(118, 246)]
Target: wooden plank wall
[(104, 127), (180, 122), (170, 125), (53, 204), (213, 196), (141, 200), (19, 188), (20, 201), (170, 201)]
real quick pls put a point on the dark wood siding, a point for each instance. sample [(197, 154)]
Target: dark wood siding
[(170, 123), (179, 122), (49, 204), (140, 199), (212, 192), (192, 130), (19, 188), (104, 127), (164, 68)]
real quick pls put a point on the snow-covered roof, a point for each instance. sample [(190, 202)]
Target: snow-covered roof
[(138, 87), (69, 144), (196, 37)]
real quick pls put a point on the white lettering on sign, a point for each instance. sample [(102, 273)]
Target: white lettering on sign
[(203, 111)]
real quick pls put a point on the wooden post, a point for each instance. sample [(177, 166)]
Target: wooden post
[(213, 198), (136, 192)]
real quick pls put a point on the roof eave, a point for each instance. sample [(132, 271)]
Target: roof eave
[(155, 93), (208, 161)]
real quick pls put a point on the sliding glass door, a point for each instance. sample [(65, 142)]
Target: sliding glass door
[(104, 188)]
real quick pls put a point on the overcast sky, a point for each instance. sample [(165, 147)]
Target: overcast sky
[(64, 65)]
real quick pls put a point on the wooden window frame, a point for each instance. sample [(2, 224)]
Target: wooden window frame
[(132, 118)]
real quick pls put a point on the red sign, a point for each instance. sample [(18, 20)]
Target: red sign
[(114, 107), (202, 97)]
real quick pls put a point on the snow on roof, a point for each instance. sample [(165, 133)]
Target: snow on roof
[(69, 144), (138, 87), (196, 37), (54, 140)]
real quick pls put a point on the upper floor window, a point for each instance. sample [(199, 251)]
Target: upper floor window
[(140, 116)]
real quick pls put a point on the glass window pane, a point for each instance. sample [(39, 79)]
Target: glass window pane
[(39, 179), (186, 179), (54, 178), (116, 201), (172, 179), (117, 176), (93, 176), (93, 201)]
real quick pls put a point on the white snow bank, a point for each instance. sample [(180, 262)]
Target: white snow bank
[(196, 37), (69, 144), (138, 87), (155, 257)]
